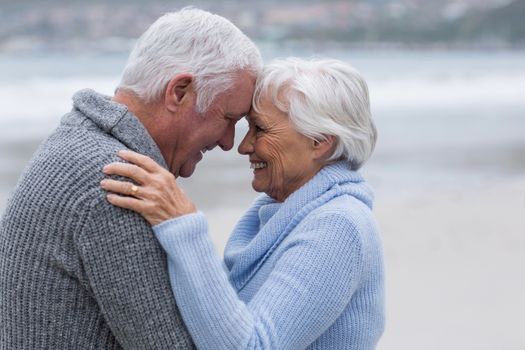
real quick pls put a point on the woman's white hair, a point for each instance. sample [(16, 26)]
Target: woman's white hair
[(193, 41), (322, 98)]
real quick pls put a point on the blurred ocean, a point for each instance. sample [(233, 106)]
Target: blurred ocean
[(448, 173), (444, 117)]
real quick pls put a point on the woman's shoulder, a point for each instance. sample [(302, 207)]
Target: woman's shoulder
[(342, 218), (344, 206)]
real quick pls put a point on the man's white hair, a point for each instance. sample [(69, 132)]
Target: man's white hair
[(193, 41), (322, 98)]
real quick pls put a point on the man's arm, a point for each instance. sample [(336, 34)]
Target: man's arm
[(127, 272)]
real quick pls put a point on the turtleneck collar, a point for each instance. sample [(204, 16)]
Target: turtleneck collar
[(116, 120)]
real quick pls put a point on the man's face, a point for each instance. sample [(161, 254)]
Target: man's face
[(201, 132)]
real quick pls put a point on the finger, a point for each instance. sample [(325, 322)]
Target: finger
[(131, 171), (122, 187), (130, 203), (140, 160)]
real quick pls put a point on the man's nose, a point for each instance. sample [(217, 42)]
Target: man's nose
[(226, 142)]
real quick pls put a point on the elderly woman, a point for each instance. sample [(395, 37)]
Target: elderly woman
[(303, 268)]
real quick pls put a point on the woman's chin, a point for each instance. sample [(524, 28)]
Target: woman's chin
[(255, 185), (258, 187)]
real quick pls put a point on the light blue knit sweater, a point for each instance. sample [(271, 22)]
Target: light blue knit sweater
[(306, 273)]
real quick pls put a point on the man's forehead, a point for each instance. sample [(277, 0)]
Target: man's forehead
[(239, 109), (239, 100)]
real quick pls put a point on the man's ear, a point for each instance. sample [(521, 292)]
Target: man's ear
[(322, 149), (178, 91)]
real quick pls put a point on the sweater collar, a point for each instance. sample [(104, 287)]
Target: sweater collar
[(338, 175), (266, 212), (267, 223), (115, 119)]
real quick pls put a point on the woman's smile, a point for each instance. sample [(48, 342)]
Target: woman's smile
[(258, 165)]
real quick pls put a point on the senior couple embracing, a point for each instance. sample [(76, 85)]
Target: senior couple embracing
[(100, 248)]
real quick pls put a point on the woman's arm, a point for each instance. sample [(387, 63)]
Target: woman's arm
[(306, 291)]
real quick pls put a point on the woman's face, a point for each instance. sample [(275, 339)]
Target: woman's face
[(282, 159)]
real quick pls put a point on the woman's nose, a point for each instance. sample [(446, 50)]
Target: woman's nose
[(246, 146)]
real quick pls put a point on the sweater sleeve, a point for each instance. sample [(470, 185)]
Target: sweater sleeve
[(308, 288), (126, 271)]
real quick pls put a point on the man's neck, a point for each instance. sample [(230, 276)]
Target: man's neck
[(141, 110), (151, 115)]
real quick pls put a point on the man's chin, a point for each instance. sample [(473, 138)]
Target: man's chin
[(187, 169)]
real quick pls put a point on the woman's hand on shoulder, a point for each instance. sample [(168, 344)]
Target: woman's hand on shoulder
[(154, 192)]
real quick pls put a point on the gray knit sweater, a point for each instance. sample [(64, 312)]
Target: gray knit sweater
[(75, 271)]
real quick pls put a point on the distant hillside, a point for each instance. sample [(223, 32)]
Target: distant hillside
[(506, 23), (32, 25), (498, 26)]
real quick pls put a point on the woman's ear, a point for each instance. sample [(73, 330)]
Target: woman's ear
[(178, 91), (322, 149)]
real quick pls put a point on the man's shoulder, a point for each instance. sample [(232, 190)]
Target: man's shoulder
[(77, 143), (70, 160)]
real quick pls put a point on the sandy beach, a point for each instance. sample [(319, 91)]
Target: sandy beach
[(454, 265), (454, 251)]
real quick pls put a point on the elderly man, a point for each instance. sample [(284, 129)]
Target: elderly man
[(79, 273)]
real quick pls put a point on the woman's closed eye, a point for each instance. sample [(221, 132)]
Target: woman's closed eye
[(255, 125)]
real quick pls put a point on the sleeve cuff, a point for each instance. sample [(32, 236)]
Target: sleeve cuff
[(181, 230)]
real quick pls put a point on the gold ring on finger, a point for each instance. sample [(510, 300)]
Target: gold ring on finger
[(134, 190)]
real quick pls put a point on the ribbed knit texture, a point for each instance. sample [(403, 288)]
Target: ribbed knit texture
[(75, 271), (307, 273)]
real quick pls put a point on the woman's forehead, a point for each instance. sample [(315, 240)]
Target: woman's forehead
[(271, 116)]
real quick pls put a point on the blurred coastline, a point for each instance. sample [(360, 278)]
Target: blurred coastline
[(98, 25), (449, 165)]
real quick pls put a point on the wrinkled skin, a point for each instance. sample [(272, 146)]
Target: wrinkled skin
[(189, 134), (156, 196), (289, 158)]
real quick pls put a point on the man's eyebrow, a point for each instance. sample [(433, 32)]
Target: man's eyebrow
[(242, 114), (237, 115)]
